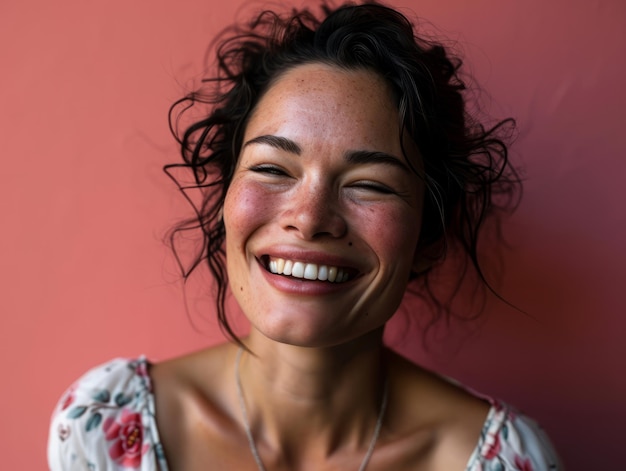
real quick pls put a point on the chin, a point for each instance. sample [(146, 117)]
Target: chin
[(316, 336)]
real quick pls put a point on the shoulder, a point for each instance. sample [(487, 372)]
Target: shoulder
[(195, 405), (440, 421), (468, 430), (512, 441), (105, 420)]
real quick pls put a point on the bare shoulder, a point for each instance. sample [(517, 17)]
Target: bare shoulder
[(193, 367), (439, 419), (193, 405)]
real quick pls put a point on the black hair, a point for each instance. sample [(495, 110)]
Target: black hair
[(466, 170)]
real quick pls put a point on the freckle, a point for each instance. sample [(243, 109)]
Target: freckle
[(241, 288), (350, 244)]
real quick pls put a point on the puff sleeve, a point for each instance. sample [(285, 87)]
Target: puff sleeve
[(105, 422), (511, 441)]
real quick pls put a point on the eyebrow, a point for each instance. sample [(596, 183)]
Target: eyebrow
[(278, 142), (354, 157), (375, 157)]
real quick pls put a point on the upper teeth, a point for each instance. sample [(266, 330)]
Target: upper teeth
[(308, 271)]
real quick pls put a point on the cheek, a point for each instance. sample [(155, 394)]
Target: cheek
[(245, 209), (393, 233)]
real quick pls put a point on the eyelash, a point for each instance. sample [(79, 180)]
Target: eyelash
[(375, 187), (277, 171), (268, 169)]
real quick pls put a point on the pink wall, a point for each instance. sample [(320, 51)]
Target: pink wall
[(84, 91)]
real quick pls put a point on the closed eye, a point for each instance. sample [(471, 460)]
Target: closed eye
[(268, 169), (372, 186)]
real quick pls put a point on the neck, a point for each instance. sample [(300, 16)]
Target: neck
[(312, 401)]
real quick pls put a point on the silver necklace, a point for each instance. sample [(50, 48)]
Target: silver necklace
[(252, 444)]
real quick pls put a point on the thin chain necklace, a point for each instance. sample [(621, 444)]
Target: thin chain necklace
[(246, 424)]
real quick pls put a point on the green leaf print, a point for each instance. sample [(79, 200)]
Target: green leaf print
[(76, 412), (102, 396), (121, 399), (93, 421)]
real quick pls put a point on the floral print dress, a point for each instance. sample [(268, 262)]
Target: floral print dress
[(106, 422)]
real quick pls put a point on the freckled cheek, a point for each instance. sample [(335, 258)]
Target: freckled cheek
[(246, 208), (393, 233)]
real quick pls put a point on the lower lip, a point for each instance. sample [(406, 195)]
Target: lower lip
[(301, 286)]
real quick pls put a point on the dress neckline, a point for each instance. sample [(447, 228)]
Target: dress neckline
[(498, 412)]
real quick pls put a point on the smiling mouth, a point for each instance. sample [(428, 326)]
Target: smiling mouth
[(307, 271)]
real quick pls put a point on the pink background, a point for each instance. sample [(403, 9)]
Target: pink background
[(84, 91)]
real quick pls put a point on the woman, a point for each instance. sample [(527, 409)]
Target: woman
[(338, 163)]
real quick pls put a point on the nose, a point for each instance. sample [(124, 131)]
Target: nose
[(314, 212)]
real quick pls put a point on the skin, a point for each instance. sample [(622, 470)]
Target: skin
[(314, 204), (321, 178)]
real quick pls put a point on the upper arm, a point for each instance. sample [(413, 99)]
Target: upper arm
[(513, 442), (105, 422), (76, 439)]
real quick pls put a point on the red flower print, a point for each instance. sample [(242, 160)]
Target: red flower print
[(127, 437), (523, 464), (494, 448), (69, 397), (142, 369)]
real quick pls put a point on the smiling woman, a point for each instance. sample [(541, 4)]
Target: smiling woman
[(344, 201), (338, 162)]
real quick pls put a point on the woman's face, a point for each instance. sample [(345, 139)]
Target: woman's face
[(323, 213)]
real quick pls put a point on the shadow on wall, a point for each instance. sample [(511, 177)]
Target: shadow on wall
[(559, 362)]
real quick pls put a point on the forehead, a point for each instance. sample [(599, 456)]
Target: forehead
[(319, 78), (328, 101)]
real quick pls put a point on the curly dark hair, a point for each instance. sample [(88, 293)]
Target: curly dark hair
[(465, 164)]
